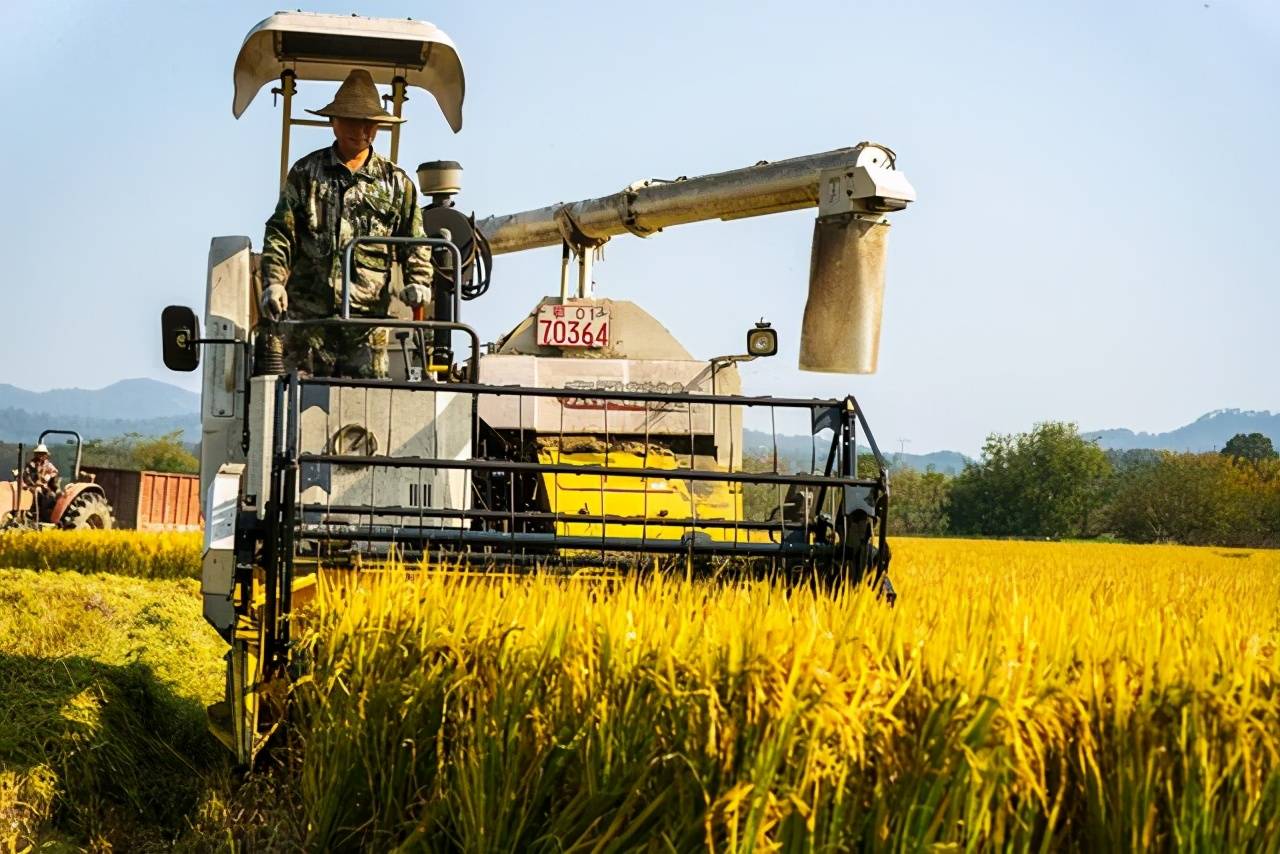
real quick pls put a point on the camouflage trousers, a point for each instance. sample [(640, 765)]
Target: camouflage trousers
[(328, 352)]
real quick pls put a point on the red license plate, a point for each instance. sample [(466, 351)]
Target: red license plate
[(573, 325)]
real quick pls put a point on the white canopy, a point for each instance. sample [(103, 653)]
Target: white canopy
[(327, 47)]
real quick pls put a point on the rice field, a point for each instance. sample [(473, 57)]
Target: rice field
[(1019, 696), (138, 555), (103, 684)]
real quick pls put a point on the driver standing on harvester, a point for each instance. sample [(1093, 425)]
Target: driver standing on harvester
[(331, 196), (41, 475)]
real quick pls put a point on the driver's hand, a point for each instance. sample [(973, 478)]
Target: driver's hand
[(275, 302), (415, 295)]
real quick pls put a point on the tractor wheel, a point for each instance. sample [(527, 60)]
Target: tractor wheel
[(89, 512)]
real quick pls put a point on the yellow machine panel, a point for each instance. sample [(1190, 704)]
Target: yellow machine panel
[(652, 498)]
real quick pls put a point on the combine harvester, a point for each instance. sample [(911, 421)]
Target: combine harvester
[(587, 437)]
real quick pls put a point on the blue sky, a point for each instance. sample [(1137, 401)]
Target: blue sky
[(1095, 240)]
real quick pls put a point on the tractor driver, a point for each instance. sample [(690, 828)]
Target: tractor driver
[(331, 196), (41, 475)]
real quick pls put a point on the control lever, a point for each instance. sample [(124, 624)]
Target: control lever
[(412, 373), (420, 336)]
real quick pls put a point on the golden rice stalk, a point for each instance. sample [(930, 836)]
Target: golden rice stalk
[(1020, 694), (134, 553)]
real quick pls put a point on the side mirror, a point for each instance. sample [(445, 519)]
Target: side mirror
[(180, 332), (762, 340)]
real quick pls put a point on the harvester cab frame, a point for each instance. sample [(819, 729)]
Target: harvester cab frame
[(585, 439), (292, 46)]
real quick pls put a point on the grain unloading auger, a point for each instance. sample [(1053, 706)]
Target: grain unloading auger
[(587, 437)]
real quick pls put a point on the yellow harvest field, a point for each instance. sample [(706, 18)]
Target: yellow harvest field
[(1020, 694), (132, 553)]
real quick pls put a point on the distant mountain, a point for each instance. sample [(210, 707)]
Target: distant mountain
[(1209, 432), (128, 399), (153, 408), (796, 453), (147, 407), (947, 462), (17, 425)]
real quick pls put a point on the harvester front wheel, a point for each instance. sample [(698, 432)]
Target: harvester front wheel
[(89, 512)]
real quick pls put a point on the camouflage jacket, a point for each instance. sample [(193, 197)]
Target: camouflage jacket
[(323, 206), (39, 473)]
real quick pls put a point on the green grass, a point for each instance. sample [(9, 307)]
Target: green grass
[(103, 683)]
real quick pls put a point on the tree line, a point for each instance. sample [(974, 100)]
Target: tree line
[(142, 453), (133, 451), (1051, 482), (1048, 482)]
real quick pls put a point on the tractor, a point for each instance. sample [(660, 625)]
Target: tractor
[(77, 503), (587, 438)]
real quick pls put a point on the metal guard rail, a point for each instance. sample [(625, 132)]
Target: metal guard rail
[(317, 520)]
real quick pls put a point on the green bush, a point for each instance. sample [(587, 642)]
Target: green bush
[(142, 453), (1198, 499), (1050, 482), (919, 502)]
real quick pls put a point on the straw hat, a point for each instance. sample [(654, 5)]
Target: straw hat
[(357, 98), (40, 449)]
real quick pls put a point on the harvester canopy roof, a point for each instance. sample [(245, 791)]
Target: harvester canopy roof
[(327, 47)]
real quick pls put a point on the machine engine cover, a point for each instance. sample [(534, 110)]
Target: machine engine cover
[(393, 422), (583, 414)]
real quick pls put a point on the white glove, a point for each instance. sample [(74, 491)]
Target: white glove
[(275, 301), (415, 295)]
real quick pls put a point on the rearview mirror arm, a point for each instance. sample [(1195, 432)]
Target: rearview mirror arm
[(247, 347)]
